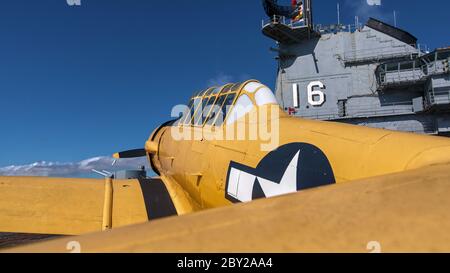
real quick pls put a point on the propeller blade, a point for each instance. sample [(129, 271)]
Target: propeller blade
[(131, 154)]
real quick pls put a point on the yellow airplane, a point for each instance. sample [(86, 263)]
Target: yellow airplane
[(322, 186)]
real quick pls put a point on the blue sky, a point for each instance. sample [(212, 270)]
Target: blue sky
[(79, 82)]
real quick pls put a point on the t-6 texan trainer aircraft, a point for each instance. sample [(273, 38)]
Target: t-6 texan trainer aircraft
[(243, 176)]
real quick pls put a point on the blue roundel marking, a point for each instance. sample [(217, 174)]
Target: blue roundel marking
[(275, 174)]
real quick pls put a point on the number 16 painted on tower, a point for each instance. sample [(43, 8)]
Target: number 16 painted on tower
[(315, 97)]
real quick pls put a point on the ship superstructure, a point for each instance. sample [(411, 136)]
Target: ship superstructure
[(374, 74)]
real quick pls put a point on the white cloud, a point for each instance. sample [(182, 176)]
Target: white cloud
[(220, 79), (223, 78), (374, 2), (73, 169), (368, 8)]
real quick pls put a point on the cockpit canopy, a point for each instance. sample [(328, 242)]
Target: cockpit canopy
[(217, 105)]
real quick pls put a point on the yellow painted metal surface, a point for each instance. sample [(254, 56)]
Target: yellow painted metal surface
[(405, 212), (108, 204), (66, 205), (181, 199), (128, 204)]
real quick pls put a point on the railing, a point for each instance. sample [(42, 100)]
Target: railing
[(319, 116), (365, 110), (402, 76), (360, 111), (388, 52), (418, 74), (282, 20), (439, 98), (325, 29), (436, 67)]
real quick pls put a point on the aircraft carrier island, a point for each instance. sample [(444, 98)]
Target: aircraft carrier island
[(374, 74)]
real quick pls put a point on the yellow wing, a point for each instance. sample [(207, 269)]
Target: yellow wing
[(66, 206), (401, 212)]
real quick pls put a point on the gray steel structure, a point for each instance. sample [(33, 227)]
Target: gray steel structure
[(375, 75)]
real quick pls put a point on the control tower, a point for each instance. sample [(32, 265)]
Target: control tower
[(374, 74)]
